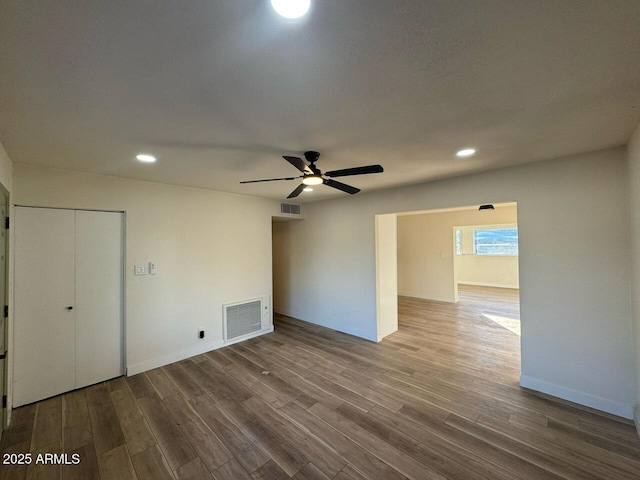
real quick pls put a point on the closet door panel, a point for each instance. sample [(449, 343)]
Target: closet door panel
[(44, 328), (99, 326)]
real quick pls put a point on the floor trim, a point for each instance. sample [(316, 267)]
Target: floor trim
[(172, 357), (487, 284), (372, 337), (599, 403)]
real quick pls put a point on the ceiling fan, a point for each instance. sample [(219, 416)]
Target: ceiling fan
[(311, 175)]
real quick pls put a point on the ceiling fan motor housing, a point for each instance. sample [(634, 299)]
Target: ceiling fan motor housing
[(311, 156)]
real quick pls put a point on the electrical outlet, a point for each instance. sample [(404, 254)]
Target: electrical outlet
[(152, 268)]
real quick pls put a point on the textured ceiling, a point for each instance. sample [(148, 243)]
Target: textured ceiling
[(219, 90)]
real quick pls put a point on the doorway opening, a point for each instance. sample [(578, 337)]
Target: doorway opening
[(486, 269), (457, 285), (281, 253)]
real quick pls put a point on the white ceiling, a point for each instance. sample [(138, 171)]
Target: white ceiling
[(219, 90)]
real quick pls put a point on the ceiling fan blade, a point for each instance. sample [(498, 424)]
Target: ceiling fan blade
[(341, 186), (297, 191), (270, 180), (355, 171), (298, 163)]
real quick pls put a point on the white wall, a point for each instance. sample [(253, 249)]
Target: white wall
[(426, 257), (6, 170), (488, 270), (211, 248), (575, 274), (386, 274), (634, 209)]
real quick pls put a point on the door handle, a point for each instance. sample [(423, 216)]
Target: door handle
[(69, 307)]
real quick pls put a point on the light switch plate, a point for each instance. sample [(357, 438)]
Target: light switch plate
[(139, 269), (152, 268)]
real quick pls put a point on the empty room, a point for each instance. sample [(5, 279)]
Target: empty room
[(320, 239)]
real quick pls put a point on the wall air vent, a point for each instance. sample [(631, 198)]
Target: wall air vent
[(290, 208), (241, 319)]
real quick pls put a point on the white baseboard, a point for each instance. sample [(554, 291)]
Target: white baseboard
[(247, 337), (356, 332), (172, 357), (382, 335), (487, 284), (163, 360), (373, 337), (423, 297), (282, 311), (588, 400)]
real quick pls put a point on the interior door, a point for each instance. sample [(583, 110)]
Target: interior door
[(44, 296), (99, 273)]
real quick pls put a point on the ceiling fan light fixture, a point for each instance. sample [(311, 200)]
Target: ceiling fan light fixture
[(291, 8), (312, 180), (307, 189)]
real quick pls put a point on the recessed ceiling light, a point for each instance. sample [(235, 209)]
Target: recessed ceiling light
[(307, 189), (143, 157), (467, 152), (291, 8)]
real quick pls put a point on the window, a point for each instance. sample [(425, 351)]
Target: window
[(495, 241), (458, 242)]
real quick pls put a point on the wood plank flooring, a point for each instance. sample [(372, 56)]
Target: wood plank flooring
[(439, 399)]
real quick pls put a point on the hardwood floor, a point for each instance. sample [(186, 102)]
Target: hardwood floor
[(439, 399)]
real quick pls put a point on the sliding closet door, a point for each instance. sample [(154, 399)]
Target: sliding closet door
[(44, 328), (99, 332)]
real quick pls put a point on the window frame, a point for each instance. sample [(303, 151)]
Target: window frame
[(496, 227)]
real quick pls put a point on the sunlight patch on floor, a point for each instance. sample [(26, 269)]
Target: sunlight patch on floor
[(510, 324)]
